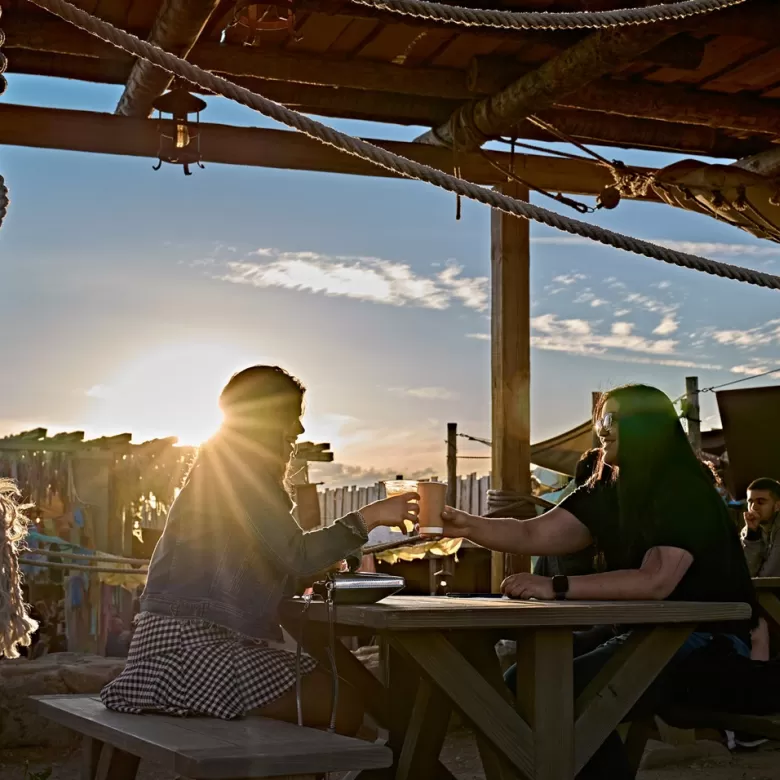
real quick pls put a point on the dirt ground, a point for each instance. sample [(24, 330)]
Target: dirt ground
[(460, 755)]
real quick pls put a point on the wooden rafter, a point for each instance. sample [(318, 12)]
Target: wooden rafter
[(85, 131), (600, 53), (177, 27)]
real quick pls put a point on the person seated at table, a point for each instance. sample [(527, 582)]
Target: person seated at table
[(762, 524), (207, 639), (662, 529)]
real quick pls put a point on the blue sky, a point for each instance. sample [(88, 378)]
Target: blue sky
[(128, 296)]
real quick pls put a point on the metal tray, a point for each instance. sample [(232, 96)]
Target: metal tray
[(359, 588)]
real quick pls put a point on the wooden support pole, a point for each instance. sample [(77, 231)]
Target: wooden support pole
[(452, 464), (693, 412), (511, 363), (600, 53)]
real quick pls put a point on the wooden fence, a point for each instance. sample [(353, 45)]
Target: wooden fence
[(337, 502)]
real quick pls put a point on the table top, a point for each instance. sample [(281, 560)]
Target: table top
[(766, 583), (400, 613)]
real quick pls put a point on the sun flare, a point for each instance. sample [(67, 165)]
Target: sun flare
[(170, 391)]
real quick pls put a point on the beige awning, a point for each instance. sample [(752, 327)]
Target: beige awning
[(562, 452)]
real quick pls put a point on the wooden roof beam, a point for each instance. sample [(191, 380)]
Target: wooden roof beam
[(85, 131), (594, 56), (176, 29)]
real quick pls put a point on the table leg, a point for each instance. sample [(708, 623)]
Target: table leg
[(481, 654), (770, 605), (115, 764), (425, 733), (545, 699), (619, 685), (90, 757), (483, 704)]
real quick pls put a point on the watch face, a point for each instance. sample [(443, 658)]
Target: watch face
[(560, 584)]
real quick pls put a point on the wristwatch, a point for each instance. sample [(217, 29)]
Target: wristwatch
[(560, 583)]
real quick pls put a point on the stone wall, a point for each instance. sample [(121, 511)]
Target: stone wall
[(56, 673)]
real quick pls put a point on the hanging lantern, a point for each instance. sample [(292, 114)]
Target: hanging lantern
[(179, 137), (251, 18)]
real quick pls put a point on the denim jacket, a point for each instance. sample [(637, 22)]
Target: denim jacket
[(231, 561)]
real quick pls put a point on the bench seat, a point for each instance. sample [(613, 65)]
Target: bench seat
[(759, 725), (204, 748)]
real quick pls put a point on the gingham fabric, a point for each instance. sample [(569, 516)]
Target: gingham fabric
[(189, 667)]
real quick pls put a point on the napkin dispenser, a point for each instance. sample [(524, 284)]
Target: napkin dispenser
[(357, 587)]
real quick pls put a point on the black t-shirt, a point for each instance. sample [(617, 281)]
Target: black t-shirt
[(688, 514)]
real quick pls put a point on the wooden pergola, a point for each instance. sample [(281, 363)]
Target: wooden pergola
[(704, 86)]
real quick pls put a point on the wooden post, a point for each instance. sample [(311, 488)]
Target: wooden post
[(452, 464), (510, 363), (693, 412)]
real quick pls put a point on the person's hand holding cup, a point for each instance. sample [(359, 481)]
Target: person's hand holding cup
[(433, 499)]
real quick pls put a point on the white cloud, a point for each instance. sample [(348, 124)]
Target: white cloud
[(578, 337), (596, 302), (720, 249), (478, 336), (763, 335), (667, 326), (753, 369), (622, 312), (426, 393), (363, 278), (569, 279), (98, 391)]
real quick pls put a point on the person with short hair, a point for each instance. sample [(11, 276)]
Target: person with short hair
[(762, 524)]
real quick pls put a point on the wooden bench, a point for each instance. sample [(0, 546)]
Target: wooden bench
[(196, 748), (759, 725)]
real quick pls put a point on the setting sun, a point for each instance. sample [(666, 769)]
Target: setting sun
[(170, 391)]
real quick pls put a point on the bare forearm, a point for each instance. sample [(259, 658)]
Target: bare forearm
[(624, 585), (501, 534)]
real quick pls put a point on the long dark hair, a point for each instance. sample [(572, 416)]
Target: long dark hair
[(249, 456), (652, 448)]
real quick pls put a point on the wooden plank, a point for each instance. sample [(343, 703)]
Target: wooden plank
[(476, 698), (639, 732), (766, 583), (545, 699), (107, 134), (210, 748), (410, 613), (620, 684), (510, 360)]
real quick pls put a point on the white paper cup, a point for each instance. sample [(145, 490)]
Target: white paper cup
[(433, 498)]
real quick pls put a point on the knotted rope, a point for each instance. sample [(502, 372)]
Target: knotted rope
[(390, 161), (16, 626), (544, 20)]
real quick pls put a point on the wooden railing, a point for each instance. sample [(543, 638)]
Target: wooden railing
[(337, 502)]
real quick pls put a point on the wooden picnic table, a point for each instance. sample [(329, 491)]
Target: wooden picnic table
[(442, 655), (768, 592)]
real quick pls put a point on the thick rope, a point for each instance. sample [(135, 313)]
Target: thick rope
[(4, 200), (390, 161), (544, 20)]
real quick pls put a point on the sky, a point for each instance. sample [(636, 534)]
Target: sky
[(129, 296)]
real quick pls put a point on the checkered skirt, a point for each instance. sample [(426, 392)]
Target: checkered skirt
[(190, 667)]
